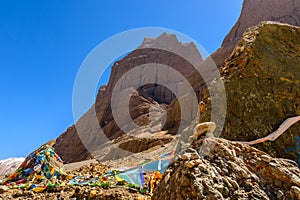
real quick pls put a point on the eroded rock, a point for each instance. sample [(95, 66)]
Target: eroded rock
[(239, 175)]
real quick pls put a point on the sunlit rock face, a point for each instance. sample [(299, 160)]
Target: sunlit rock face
[(254, 12)]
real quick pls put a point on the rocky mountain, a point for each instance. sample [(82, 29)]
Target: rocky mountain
[(254, 12), (259, 64), (149, 97), (161, 100), (9, 165)]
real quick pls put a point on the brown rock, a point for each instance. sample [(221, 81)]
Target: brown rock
[(254, 12), (262, 88), (3, 189), (69, 145), (191, 164), (93, 194), (266, 158), (150, 96), (295, 192), (249, 178), (186, 156)]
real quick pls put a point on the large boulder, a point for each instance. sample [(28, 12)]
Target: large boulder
[(262, 77)]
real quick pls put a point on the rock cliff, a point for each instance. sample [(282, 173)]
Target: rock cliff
[(254, 12), (152, 97), (69, 145)]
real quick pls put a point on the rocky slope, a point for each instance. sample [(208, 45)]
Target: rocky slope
[(261, 79), (229, 171), (76, 191), (9, 165)]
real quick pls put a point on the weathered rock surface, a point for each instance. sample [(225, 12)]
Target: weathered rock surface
[(261, 79), (149, 97), (229, 171), (69, 144), (254, 12)]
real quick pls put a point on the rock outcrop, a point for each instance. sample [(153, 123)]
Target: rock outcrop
[(261, 79), (254, 12), (149, 99), (69, 145), (229, 171)]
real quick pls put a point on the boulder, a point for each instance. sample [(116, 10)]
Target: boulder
[(261, 78), (231, 171)]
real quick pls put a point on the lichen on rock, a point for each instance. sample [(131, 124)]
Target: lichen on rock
[(262, 78)]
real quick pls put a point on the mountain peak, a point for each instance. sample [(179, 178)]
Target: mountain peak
[(9, 165), (254, 12), (170, 42)]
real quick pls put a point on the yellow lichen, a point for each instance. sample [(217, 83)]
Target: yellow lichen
[(286, 80)]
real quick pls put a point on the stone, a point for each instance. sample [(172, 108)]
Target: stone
[(202, 128), (279, 194), (185, 182), (3, 189), (265, 158), (186, 156), (93, 193), (190, 164), (195, 156), (198, 162), (295, 192), (202, 167), (263, 181)]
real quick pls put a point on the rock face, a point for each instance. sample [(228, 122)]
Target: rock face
[(229, 171), (69, 145), (149, 99), (261, 79), (9, 165), (254, 12)]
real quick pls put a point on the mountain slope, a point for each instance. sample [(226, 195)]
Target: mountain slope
[(9, 165), (69, 145), (149, 97), (254, 12)]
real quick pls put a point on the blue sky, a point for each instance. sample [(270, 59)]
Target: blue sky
[(43, 43)]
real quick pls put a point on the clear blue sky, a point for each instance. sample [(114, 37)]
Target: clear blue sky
[(43, 43)]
